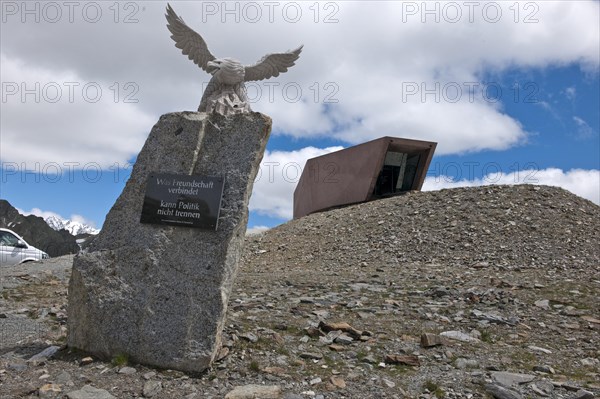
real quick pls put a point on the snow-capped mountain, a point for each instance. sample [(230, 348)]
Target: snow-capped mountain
[(72, 227)]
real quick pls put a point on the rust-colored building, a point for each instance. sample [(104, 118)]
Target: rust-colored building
[(376, 169)]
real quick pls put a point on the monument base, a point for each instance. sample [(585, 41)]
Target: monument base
[(158, 293)]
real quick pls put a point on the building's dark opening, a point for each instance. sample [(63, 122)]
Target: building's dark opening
[(397, 175)]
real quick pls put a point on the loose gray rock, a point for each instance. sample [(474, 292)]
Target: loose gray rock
[(250, 337), (370, 359), (459, 336), (17, 366), (89, 392), (152, 388), (462, 363), (45, 354), (158, 293), (543, 303), (511, 379), (343, 339), (544, 386), (388, 383), (544, 369), (49, 391), (541, 390), (149, 375), (255, 392), (64, 378), (428, 340), (583, 394), (311, 355), (499, 392), (127, 370), (540, 349)]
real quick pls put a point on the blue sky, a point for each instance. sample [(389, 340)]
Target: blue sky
[(527, 110)]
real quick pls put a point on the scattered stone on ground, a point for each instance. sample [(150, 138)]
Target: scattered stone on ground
[(476, 261)]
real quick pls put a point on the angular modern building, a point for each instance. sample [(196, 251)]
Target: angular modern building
[(377, 169)]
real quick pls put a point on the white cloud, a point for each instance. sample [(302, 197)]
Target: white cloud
[(584, 130), (571, 93), (584, 183), (47, 214), (38, 212), (366, 70), (256, 230), (81, 219), (61, 122), (273, 193)]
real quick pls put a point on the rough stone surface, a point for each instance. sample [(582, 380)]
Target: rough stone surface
[(157, 293), (511, 379), (127, 370), (255, 392), (583, 394), (458, 336), (49, 390), (428, 340), (500, 392), (46, 353), (152, 388), (89, 392)]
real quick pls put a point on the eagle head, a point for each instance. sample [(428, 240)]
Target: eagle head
[(227, 70)]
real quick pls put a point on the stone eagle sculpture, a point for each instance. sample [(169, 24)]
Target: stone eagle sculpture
[(226, 92)]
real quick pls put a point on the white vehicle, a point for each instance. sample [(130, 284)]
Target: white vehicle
[(14, 249)]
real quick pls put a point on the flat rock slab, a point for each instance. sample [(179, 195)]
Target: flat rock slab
[(511, 379), (89, 392), (500, 392), (255, 392), (459, 336), (156, 293)]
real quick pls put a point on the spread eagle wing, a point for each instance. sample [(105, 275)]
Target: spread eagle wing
[(189, 41), (272, 65)]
